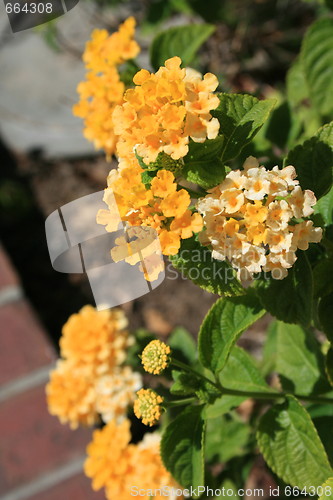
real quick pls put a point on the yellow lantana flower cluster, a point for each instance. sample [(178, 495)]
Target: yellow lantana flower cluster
[(147, 406), (90, 379), (164, 110), (118, 466), (161, 206), (156, 357), (253, 218), (103, 90)]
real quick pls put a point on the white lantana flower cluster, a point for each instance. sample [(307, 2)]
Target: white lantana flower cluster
[(115, 392), (252, 220)]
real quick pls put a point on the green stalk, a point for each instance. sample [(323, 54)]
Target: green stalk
[(178, 402), (249, 394)]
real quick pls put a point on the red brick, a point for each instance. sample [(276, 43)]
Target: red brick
[(76, 488), (33, 442), (23, 344), (8, 277)]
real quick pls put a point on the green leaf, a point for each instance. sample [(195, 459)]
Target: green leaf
[(322, 417), (291, 446), (297, 89), (196, 263), (183, 345), (182, 447), (146, 177), (226, 438), (241, 117), (328, 490), (313, 161), (299, 360), (240, 373), (290, 299), (317, 62), (269, 353), (325, 315), (222, 405), (324, 208), (184, 383), (182, 41), (322, 277), (128, 70), (225, 322), (202, 165)]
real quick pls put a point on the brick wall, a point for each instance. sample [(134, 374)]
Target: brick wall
[(40, 459)]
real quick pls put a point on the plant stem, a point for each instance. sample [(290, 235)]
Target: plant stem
[(250, 394), (187, 368), (178, 402)]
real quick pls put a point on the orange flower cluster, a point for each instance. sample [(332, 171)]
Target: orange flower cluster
[(118, 466), (89, 379), (164, 110), (102, 90), (96, 340), (161, 206)]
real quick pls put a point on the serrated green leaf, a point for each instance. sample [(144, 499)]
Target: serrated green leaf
[(324, 208), (202, 164), (182, 41), (325, 315), (290, 299), (242, 373), (183, 345), (182, 447), (291, 446), (241, 116), (225, 322), (317, 62), (322, 417), (299, 360), (313, 161), (327, 490), (196, 263)]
